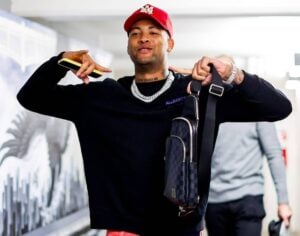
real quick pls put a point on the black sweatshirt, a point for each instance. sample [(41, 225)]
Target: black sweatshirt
[(122, 139)]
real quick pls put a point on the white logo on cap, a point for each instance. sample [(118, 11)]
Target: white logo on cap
[(147, 9)]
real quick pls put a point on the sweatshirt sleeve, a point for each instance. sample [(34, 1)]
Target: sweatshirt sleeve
[(42, 94), (272, 150), (254, 99)]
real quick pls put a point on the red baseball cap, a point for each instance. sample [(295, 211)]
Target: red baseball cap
[(150, 12)]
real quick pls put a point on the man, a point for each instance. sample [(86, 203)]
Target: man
[(122, 125), (237, 185)]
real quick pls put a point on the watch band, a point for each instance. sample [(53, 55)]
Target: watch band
[(233, 74)]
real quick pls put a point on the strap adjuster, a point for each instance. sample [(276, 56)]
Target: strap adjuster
[(216, 90)]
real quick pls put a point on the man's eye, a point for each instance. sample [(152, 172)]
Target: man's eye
[(134, 33)]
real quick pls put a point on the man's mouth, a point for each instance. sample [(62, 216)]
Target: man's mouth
[(144, 50)]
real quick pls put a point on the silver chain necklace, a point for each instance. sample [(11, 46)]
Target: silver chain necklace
[(136, 92)]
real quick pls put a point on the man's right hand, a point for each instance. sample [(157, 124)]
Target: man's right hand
[(201, 69), (88, 64), (285, 213)]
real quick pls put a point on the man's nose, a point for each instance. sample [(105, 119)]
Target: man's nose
[(144, 38)]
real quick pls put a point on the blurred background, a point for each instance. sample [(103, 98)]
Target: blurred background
[(40, 164)]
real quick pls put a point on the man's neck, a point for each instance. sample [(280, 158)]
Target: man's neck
[(150, 76)]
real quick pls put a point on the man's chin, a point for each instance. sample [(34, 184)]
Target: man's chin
[(144, 61)]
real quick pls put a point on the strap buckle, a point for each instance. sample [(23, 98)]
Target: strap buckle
[(216, 90)]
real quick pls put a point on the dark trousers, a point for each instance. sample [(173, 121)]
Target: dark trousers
[(241, 217)]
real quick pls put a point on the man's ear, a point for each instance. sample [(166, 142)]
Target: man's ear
[(170, 44)]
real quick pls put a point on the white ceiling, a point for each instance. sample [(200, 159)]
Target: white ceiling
[(243, 28), (98, 8)]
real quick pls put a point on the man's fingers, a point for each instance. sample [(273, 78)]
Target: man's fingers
[(85, 79), (184, 71), (286, 223), (83, 51), (285, 213), (198, 73), (75, 55), (83, 71), (203, 64), (102, 68), (87, 57), (88, 65), (207, 80)]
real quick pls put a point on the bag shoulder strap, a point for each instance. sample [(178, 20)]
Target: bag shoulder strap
[(216, 90)]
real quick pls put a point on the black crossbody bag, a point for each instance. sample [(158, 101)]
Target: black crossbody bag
[(188, 162)]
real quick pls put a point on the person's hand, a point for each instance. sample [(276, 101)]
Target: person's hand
[(88, 64), (184, 71), (285, 213), (201, 69)]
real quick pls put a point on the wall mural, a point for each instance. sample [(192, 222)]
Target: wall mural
[(41, 172)]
